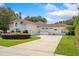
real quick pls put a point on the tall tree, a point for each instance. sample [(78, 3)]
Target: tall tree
[(6, 16)]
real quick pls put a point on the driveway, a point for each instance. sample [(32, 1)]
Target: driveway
[(41, 47)]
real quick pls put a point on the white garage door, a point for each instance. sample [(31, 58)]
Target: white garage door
[(44, 33)]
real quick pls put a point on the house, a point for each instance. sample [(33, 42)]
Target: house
[(37, 27)]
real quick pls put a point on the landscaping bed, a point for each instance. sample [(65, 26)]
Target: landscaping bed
[(67, 46), (15, 36), (12, 42)]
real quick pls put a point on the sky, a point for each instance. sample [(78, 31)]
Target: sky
[(53, 12)]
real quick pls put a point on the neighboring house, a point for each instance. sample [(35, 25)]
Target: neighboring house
[(37, 28)]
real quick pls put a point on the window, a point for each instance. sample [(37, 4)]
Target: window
[(16, 24), (17, 30), (42, 28), (21, 22), (62, 31), (51, 28), (46, 28), (55, 29), (37, 26), (11, 22)]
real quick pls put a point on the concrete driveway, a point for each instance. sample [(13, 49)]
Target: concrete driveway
[(41, 47)]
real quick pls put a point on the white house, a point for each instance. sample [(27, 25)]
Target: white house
[(37, 28)]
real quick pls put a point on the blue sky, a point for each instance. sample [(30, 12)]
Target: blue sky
[(28, 9), (52, 12)]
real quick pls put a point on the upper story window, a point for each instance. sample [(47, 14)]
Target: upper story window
[(51, 28), (16, 24), (11, 22), (55, 29), (46, 28), (37, 26), (21, 22), (42, 28)]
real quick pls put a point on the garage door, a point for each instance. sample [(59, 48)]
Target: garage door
[(44, 33)]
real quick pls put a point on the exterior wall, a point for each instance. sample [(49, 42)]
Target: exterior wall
[(32, 29), (19, 26)]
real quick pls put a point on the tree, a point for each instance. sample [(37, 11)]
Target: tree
[(36, 19), (76, 21), (71, 30), (76, 26), (67, 22), (27, 18), (6, 16)]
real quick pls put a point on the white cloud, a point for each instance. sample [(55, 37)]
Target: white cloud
[(77, 4), (63, 13), (71, 6), (50, 7), (70, 11), (1, 4), (51, 20), (23, 16)]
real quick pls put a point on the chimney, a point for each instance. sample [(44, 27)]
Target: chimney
[(18, 15)]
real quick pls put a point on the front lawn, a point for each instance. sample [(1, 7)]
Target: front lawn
[(12, 42), (67, 46)]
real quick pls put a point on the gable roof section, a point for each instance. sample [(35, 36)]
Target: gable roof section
[(38, 24), (24, 22)]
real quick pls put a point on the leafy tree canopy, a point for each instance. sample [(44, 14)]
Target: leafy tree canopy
[(6, 16), (35, 19)]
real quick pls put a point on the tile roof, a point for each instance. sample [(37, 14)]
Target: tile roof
[(52, 25), (39, 24)]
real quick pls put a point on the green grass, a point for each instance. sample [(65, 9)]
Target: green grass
[(12, 42), (67, 46)]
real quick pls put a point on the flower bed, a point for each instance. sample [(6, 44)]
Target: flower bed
[(15, 36)]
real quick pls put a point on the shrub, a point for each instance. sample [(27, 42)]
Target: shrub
[(15, 36), (70, 33), (12, 31), (18, 31), (25, 31), (71, 30), (1, 32)]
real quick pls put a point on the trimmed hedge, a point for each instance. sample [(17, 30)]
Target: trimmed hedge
[(15, 36), (71, 33), (25, 31)]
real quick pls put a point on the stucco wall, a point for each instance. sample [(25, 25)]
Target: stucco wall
[(32, 29), (19, 26)]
